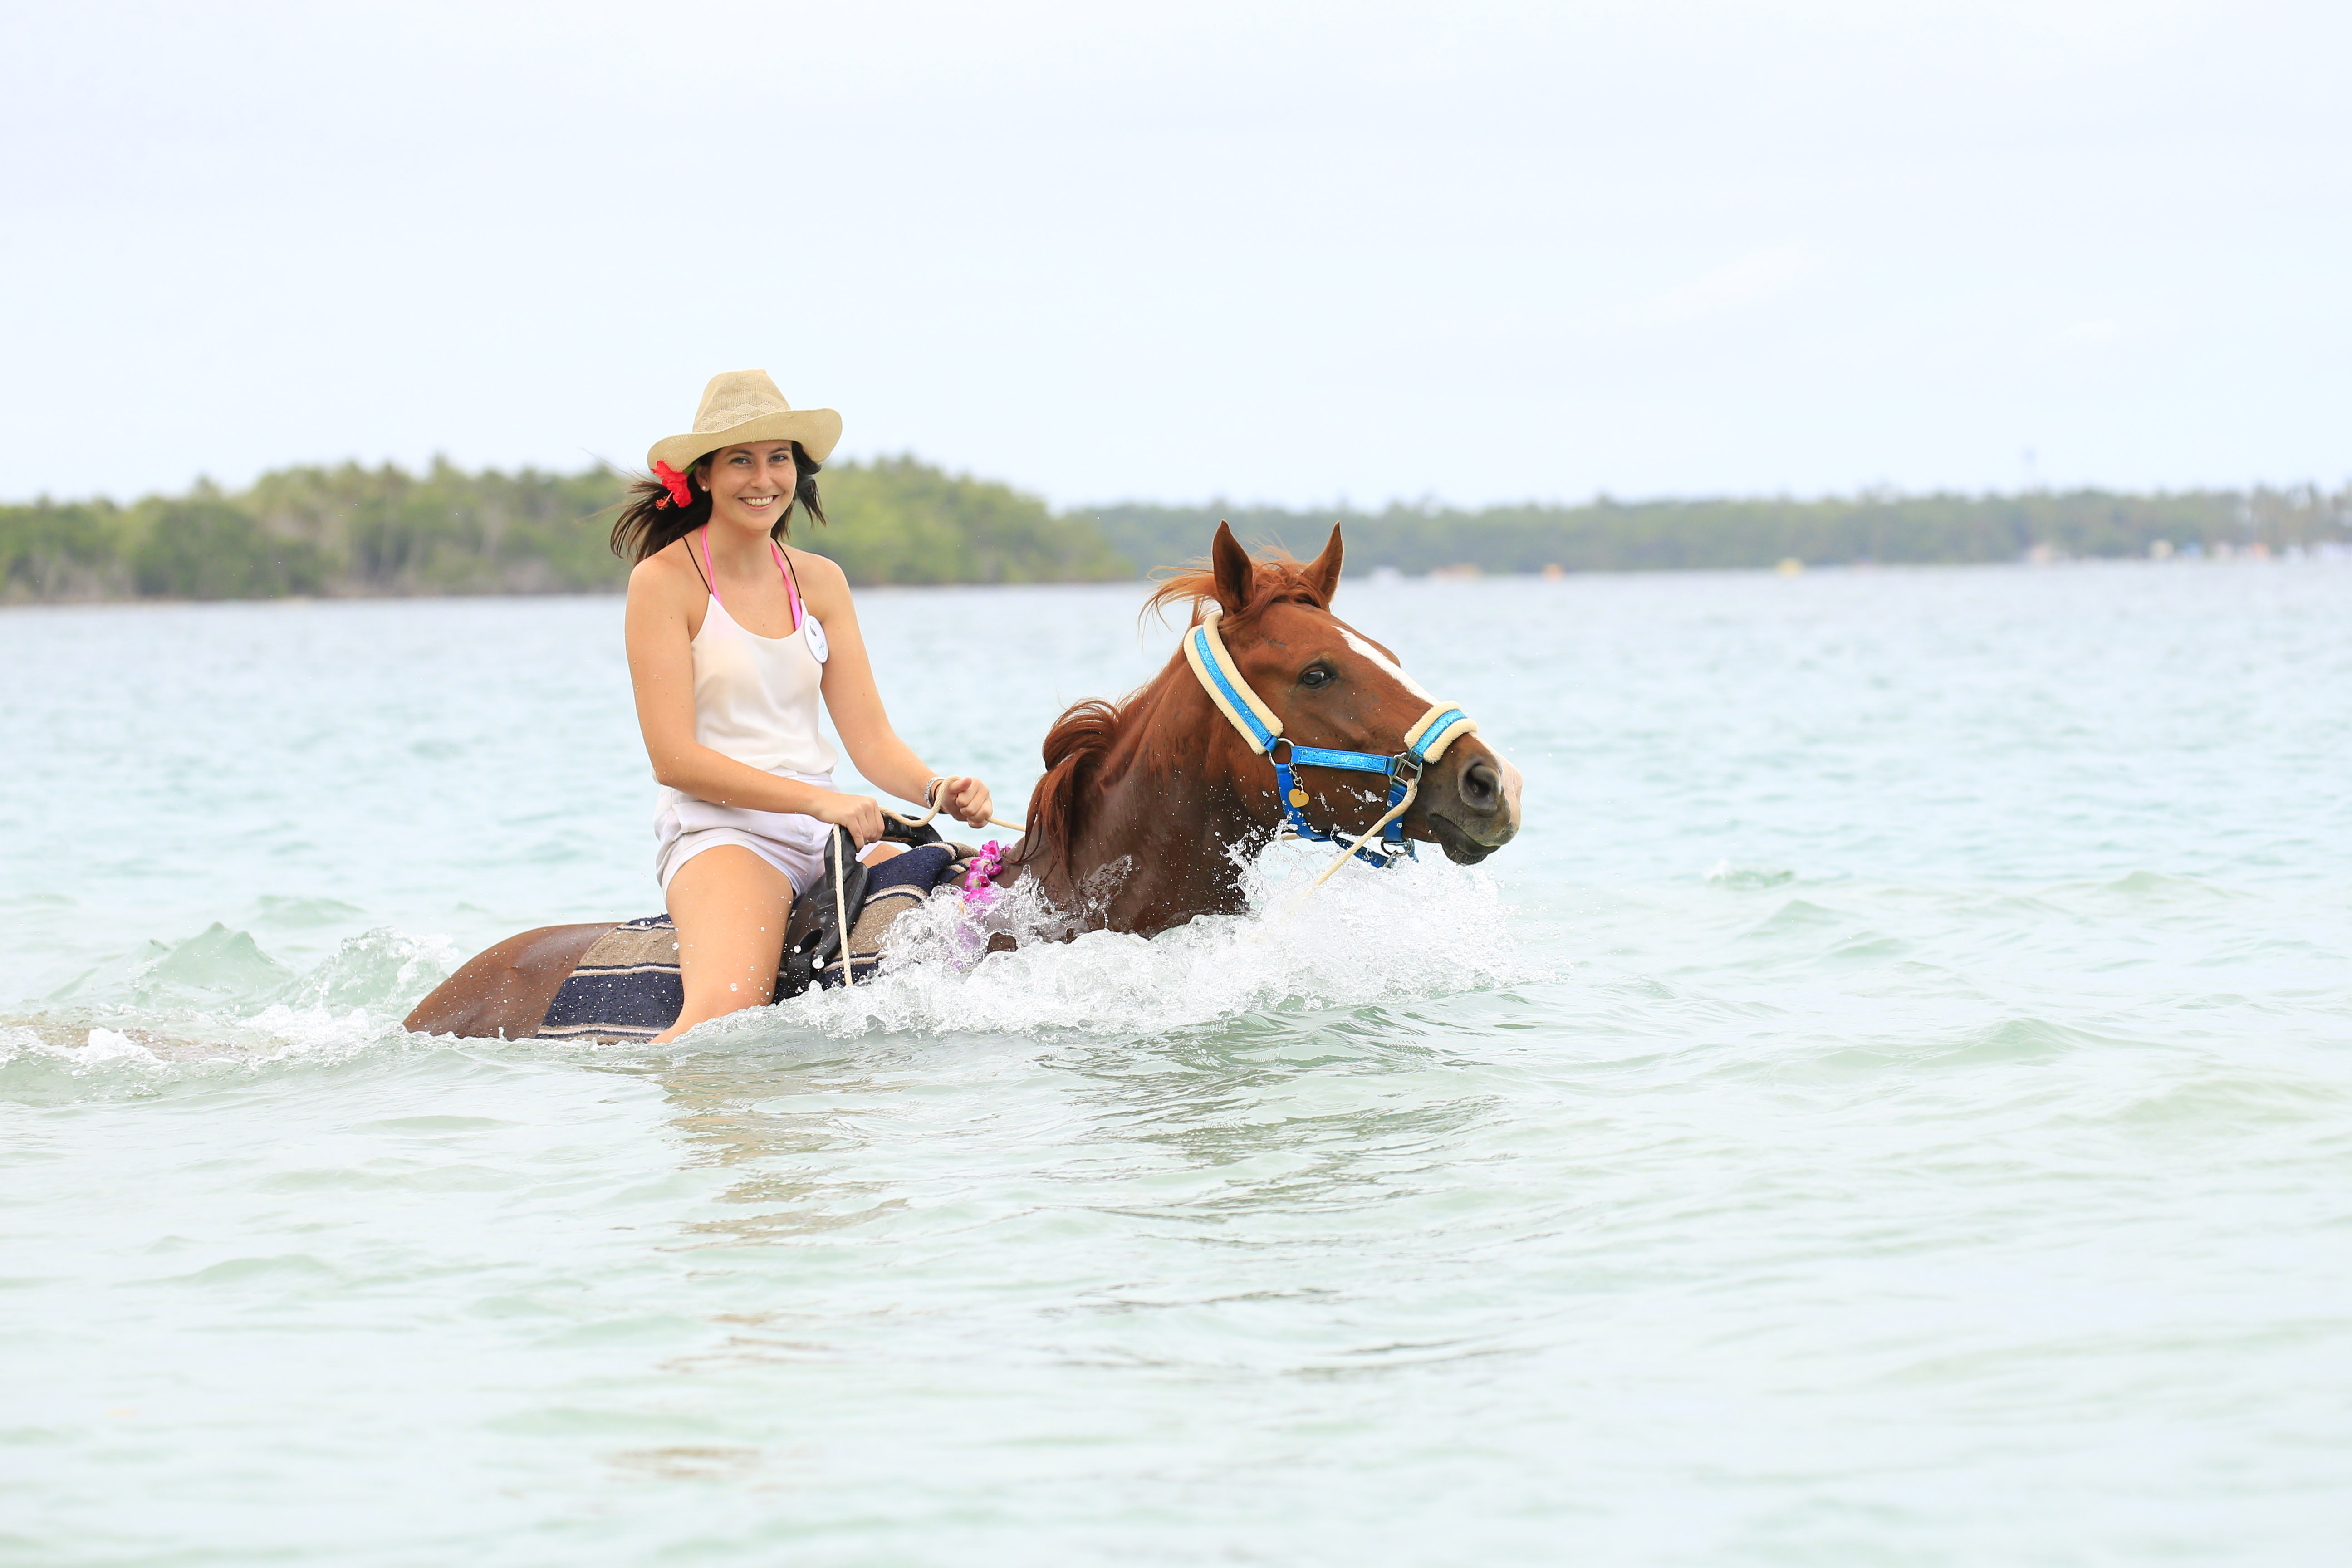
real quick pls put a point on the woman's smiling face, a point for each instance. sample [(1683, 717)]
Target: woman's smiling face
[(751, 486)]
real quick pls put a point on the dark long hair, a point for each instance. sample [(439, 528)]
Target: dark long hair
[(651, 523)]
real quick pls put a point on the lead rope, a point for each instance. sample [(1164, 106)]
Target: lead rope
[(841, 910), (1369, 834), (901, 816), (929, 799)]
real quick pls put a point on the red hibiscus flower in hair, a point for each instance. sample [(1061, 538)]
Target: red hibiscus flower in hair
[(679, 491)]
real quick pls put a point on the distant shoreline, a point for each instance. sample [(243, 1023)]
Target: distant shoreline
[(353, 532), (2326, 552)]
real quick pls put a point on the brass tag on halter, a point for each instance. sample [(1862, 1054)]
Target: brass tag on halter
[(1298, 796)]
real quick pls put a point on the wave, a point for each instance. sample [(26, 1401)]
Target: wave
[(216, 1004)]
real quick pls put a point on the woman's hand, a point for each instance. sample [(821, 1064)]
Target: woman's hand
[(860, 814), (967, 801)]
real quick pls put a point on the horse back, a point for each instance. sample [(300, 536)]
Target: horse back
[(503, 991)]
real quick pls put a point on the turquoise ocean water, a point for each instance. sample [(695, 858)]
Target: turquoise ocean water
[(1893, 1105)]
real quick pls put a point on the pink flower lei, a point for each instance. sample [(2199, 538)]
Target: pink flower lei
[(980, 882), (675, 482)]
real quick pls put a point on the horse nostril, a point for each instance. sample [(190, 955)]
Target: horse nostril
[(1481, 787)]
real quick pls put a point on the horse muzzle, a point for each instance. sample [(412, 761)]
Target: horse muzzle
[(1471, 801)]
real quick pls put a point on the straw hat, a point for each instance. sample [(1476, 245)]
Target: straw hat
[(741, 406)]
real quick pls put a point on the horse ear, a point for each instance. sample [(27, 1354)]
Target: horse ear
[(1323, 573), (1236, 573)]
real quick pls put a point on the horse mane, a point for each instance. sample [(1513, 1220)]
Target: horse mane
[(1074, 747), (1087, 731)]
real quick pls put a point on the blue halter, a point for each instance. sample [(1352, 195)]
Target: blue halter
[(1206, 651)]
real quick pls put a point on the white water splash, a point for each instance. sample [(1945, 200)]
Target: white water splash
[(108, 1044), (1421, 930)]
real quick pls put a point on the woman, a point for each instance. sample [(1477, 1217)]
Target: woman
[(732, 634)]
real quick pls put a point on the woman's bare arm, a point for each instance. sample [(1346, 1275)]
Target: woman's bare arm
[(856, 702)]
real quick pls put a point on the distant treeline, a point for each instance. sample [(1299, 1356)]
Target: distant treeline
[(355, 531), (1626, 536)]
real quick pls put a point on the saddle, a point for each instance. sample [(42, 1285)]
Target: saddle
[(627, 986)]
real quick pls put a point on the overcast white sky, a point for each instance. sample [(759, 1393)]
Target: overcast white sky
[(1289, 253)]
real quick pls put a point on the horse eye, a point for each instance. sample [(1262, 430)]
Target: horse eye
[(1317, 675)]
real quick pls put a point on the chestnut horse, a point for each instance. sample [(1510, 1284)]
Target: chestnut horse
[(1145, 802)]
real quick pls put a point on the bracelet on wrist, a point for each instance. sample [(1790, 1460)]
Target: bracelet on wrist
[(932, 791)]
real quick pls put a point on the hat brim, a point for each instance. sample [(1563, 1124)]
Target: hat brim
[(816, 429)]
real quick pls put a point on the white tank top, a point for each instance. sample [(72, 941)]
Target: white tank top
[(755, 697)]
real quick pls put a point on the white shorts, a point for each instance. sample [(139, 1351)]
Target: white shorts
[(794, 845)]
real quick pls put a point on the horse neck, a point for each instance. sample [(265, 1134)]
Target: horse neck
[(1165, 799)]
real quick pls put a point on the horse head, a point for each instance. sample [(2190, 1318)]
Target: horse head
[(1335, 690), (1312, 725)]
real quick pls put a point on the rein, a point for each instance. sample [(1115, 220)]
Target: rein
[(1261, 726)]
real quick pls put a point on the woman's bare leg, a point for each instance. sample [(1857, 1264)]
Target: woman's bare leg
[(730, 908)]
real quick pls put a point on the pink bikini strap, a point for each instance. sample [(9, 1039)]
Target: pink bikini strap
[(791, 588), (713, 571)]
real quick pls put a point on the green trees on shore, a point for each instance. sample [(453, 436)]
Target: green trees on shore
[(354, 530), (348, 530), (1620, 536), (900, 521)]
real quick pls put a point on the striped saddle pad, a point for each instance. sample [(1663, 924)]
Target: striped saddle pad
[(626, 986)]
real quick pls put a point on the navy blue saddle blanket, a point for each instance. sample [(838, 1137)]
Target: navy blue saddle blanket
[(626, 985)]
